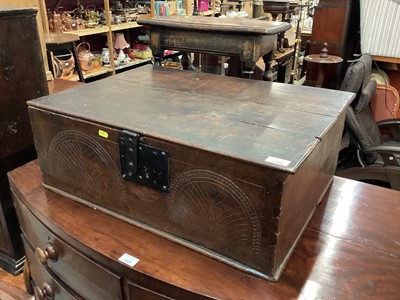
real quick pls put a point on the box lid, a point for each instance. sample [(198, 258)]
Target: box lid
[(271, 124)]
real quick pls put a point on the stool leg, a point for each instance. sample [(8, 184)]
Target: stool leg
[(78, 65), (268, 74), (320, 76)]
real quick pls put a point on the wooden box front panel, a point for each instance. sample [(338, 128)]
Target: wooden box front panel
[(225, 207)]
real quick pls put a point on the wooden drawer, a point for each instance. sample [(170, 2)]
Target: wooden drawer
[(137, 292), (80, 273), (45, 282)]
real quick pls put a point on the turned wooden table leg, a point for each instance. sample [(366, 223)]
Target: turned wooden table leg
[(158, 57), (320, 76), (186, 61), (268, 75), (248, 69), (156, 47)]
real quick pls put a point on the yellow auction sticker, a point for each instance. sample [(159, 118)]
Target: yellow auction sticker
[(103, 134)]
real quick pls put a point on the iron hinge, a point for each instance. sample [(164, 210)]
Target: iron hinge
[(143, 164)]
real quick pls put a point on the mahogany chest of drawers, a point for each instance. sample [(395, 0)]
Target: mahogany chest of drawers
[(78, 250), (234, 173)]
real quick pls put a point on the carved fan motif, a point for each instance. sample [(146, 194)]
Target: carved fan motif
[(78, 160), (211, 205)]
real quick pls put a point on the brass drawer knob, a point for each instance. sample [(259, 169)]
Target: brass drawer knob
[(48, 253), (44, 293)]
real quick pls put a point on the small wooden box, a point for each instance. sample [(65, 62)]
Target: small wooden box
[(235, 173)]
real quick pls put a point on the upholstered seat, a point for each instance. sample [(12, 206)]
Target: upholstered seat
[(368, 156)]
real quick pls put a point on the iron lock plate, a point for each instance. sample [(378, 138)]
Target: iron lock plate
[(143, 164)]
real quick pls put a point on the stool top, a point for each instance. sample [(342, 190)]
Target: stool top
[(330, 59), (225, 25), (60, 38), (323, 57)]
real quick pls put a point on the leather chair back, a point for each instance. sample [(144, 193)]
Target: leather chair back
[(359, 118)]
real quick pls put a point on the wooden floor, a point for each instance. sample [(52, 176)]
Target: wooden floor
[(12, 287), (10, 279)]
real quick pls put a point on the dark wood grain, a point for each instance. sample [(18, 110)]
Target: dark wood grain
[(22, 78), (222, 195), (16, 65), (338, 257), (198, 23), (249, 39), (359, 220), (188, 104)]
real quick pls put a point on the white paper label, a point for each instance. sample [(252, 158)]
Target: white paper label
[(278, 161), (128, 259)]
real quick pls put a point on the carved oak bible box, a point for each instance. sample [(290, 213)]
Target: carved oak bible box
[(233, 168)]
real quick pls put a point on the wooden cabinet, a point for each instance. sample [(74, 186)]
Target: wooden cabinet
[(39, 18), (336, 22), (22, 78)]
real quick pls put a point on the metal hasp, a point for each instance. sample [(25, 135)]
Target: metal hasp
[(143, 164)]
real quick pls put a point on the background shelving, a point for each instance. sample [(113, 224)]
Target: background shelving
[(98, 37)]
